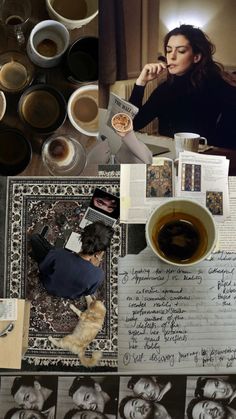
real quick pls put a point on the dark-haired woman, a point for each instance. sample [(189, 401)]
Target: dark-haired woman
[(70, 275), (197, 96)]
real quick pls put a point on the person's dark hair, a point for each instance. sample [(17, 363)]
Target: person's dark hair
[(133, 380), (199, 391), (78, 382), (96, 237), (11, 412), (27, 381), (122, 405), (200, 44)]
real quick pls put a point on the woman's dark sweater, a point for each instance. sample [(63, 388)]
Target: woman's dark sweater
[(209, 110)]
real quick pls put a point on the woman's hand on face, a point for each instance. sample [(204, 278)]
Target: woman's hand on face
[(150, 72)]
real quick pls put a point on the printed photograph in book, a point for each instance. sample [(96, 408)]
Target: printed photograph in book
[(159, 179)]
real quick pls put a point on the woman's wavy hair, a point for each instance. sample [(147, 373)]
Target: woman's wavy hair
[(206, 67)]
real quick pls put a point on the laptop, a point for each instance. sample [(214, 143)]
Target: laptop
[(103, 207)]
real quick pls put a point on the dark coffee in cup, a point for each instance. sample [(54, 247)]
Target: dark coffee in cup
[(71, 9), (15, 152), (82, 60), (13, 76), (14, 20), (47, 48), (42, 108), (180, 237)]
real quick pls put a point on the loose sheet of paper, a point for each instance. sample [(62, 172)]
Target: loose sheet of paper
[(177, 319), (8, 309)]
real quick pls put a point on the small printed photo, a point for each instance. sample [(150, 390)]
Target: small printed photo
[(216, 394), (214, 202), (159, 180), (90, 397), (28, 397), (106, 203), (191, 177), (152, 397)]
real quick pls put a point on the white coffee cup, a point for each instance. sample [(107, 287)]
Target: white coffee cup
[(187, 141), (83, 109), (72, 13), (3, 105), (187, 213), (47, 43)]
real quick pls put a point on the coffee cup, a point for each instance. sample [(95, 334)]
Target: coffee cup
[(188, 141), (181, 232), (15, 152), (82, 60), (3, 105), (121, 122), (83, 109), (47, 43), (63, 155), (16, 71), (42, 108), (73, 14)]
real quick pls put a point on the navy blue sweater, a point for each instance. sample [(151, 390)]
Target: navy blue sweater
[(67, 275)]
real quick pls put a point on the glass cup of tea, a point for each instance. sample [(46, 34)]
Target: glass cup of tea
[(15, 16), (62, 155), (181, 232)]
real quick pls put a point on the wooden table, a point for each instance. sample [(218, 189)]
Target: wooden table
[(56, 78)]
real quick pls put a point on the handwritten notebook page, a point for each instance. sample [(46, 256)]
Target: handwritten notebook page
[(177, 319)]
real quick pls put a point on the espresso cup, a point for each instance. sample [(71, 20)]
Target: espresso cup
[(82, 60), (15, 152), (73, 14), (187, 141), (63, 155), (3, 105), (181, 232), (15, 15), (47, 43), (83, 109), (16, 71), (42, 108)]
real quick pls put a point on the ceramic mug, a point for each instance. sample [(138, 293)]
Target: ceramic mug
[(83, 109), (72, 13), (181, 232), (188, 141), (47, 43), (82, 60), (15, 152)]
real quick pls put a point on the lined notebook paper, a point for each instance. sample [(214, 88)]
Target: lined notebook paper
[(177, 319)]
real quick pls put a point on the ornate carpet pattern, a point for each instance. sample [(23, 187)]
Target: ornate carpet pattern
[(31, 204)]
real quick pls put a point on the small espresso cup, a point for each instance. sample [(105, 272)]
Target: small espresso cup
[(16, 71), (188, 141), (42, 108), (47, 43), (15, 16), (63, 156), (82, 60), (83, 109), (72, 13), (15, 152), (181, 232)]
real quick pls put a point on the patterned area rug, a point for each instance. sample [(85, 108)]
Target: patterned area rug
[(33, 203)]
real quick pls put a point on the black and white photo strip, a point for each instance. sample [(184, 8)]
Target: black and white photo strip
[(117, 397)]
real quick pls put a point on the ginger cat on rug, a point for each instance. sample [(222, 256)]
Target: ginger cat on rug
[(90, 322)]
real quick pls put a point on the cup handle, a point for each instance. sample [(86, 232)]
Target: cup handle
[(41, 78), (202, 141)]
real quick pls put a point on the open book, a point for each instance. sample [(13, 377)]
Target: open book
[(203, 178), (117, 105)]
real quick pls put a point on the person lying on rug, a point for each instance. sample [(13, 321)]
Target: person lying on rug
[(34, 393), (88, 394), (16, 413), (86, 414), (70, 275)]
